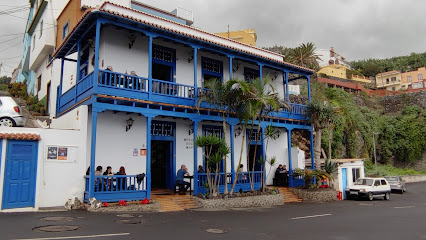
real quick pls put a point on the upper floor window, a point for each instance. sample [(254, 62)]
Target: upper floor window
[(408, 78), (163, 54), (250, 74), (39, 83), (387, 80), (41, 29), (65, 30), (211, 69), (34, 40), (420, 77), (393, 79)]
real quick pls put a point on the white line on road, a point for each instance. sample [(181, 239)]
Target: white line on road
[(404, 207), (313, 216), (78, 237)]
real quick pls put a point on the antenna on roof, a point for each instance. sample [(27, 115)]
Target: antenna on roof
[(228, 30)]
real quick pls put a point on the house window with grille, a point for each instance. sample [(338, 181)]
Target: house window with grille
[(211, 69), (250, 74), (213, 130), (162, 129), (163, 54)]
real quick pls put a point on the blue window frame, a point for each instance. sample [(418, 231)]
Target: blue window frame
[(65, 29), (164, 63), (211, 68), (218, 132), (250, 74)]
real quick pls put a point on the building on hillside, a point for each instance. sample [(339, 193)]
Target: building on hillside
[(247, 36), (330, 57), (413, 79), (126, 94), (341, 71), (390, 81)]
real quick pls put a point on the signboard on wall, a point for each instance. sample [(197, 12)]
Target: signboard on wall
[(61, 153), (294, 89)]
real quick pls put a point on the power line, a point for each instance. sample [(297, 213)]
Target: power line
[(14, 34), (11, 57), (9, 47), (11, 39)]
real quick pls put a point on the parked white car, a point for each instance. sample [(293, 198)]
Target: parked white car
[(10, 113), (370, 188)]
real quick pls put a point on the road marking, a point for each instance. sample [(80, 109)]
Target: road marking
[(312, 216), (78, 237), (404, 207)]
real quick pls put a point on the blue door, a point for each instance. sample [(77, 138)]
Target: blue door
[(20, 174), (344, 182)]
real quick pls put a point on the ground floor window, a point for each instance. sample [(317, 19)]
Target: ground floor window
[(355, 174)]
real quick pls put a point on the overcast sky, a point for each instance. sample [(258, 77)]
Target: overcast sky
[(357, 29)]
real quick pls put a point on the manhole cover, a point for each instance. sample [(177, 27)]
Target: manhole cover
[(128, 221), (126, 215), (215, 230), (63, 219), (56, 228)]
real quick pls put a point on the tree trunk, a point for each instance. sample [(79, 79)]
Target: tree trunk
[(317, 148), (225, 191), (241, 157)]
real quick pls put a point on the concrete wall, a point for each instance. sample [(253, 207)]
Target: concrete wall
[(56, 181), (414, 178)]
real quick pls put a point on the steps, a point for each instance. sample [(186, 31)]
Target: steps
[(170, 202), (289, 196)]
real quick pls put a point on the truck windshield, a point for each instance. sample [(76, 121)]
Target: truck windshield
[(363, 181)]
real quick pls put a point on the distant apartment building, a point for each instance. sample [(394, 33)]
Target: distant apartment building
[(413, 79), (390, 81), (247, 36)]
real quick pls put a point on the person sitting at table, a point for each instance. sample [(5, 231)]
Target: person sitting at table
[(201, 169), (279, 176), (285, 171), (109, 77), (181, 173), (98, 172), (108, 172), (121, 182)]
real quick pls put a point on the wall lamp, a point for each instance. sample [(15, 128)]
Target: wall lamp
[(235, 66), (191, 129), (130, 122), (132, 39), (274, 75), (238, 132), (190, 56)]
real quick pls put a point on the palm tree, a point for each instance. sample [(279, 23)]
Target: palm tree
[(304, 55), (320, 114), (221, 96)]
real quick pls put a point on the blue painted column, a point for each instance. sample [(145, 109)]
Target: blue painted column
[(150, 67), (309, 87), (195, 75), (148, 156), (312, 148), (263, 152), (260, 70), (59, 93), (231, 136), (290, 167), (287, 95), (97, 44), (77, 78), (93, 153), (230, 67), (195, 134)]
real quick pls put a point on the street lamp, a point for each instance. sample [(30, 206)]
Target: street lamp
[(375, 155)]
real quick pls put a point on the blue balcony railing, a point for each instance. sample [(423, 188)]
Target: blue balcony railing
[(116, 188), (243, 181), (136, 87)]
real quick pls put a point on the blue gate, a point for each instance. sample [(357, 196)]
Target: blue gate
[(20, 174), (344, 182)]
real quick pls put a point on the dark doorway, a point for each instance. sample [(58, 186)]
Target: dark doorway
[(257, 165), (162, 72), (161, 164)]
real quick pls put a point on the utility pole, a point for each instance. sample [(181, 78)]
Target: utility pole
[(375, 155)]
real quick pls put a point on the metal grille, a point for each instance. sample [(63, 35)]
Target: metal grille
[(251, 74), (255, 136), (162, 129), (162, 54), (213, 131), (212, 66)]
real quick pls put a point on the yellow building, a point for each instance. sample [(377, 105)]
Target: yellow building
[(339, 71), (410, 79), (247, 36), (390, 81)]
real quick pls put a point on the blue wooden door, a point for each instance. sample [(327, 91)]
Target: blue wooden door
[(344, 182), (20, 174)]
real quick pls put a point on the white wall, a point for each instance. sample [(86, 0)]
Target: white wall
[(56, 181), (338, 185), (279, 149)]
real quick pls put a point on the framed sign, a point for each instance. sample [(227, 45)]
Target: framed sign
[(61, 153)]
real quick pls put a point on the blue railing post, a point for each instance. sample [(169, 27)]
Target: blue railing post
[(290, 167), (260, 70), (93, 153), (230, 67), (59, 94)]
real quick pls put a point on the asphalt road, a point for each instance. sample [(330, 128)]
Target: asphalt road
[(403, 217)]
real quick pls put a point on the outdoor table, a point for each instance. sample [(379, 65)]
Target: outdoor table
[(190, 181)]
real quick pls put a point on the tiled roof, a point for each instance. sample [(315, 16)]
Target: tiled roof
[(115, 13), (20, 136), (388, 73)]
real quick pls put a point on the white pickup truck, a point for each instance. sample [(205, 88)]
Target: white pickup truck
[(370, 188)]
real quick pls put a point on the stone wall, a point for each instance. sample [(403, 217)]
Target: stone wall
[(315, 195), (241, 202), (394, 104)]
